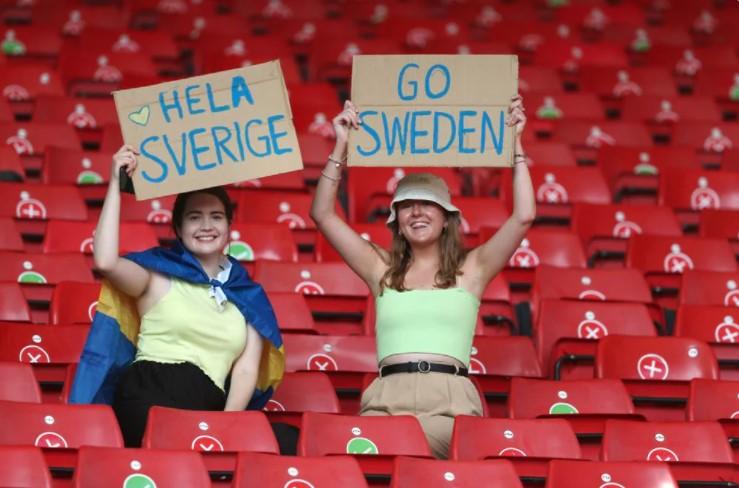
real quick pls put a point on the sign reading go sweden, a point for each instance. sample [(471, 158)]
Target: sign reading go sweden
[(428, 110), (209, 130)]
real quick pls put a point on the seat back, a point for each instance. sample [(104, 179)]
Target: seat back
[(100, 466), (704, 442), (58, 426), (579, 474), (476, 438), (73, 302), (18, 383), (327, 434), (654, 359), (411, 472), (24, 466), (531, 398), (208, 431), (254, 470), (713, 400)]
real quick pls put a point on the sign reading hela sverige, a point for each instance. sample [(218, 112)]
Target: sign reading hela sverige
[(429, 110), (209, 130)]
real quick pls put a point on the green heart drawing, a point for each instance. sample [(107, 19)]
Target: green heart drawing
[(141, 116)]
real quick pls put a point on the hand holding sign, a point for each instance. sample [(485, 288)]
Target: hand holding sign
[(435, 110)]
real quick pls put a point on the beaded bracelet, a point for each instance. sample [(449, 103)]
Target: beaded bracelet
[(332, 178), (336, 162)]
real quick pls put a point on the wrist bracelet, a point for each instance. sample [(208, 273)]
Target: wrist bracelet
[(336, 162), (332, 178), (519, 155)]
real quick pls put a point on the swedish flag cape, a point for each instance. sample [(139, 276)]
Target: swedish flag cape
[(111, 342)]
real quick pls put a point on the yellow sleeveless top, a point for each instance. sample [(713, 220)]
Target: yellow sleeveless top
[(186, 325)]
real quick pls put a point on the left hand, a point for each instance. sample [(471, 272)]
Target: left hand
[(516, 115)]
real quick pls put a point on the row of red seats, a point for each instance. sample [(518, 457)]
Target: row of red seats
[(104, 465), (695, 451)]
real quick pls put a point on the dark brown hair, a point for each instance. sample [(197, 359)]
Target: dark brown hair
[(178, 212), (451, 250)]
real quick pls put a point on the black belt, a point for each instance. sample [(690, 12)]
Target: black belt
[(422, 367)]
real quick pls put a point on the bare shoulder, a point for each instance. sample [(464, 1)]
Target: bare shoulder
[(159, 285)]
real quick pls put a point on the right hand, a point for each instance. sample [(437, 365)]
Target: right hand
[(348, 118), (124, 158)]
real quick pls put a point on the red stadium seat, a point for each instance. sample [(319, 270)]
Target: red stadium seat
[(302, 392), (58, 429), (77, 237), (495, 360), (373, 441), (11, 168), (292, 181), (633, 172), (101, 466), (538, 79), (606, 229), (32, 138), (24, 466), (13, 305), (293, 313), (720, 224), (38, 273), (32, 202), (702, 136), (337, 297), (695, 451), (710, 288), (656, 370), (412, 472), (529, 444), (370, 190), (73, 303), (579, 474), (550, 154), (558, 187), (649, 82), (646, 109), (216, 435), (712, 400), (584, 105), (585, 404), (540, 247), (566, 332), (89, 170), (664, 259), (255, 241), (23, 83), (345, 359), (314, 106), (692, 191), (40, 41), (10, 239), (18, 383), (717, 326), (156, 44), (581, 134), (254, 470), (157, 212), (52, 351), (93, 114), (607, 285)]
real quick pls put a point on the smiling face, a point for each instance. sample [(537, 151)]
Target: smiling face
[(420, 221), (204, 228)]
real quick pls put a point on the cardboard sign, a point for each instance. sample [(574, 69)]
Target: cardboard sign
[(429, 110), (209, 130)]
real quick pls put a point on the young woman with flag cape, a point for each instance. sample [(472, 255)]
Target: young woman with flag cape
[(173, 325)]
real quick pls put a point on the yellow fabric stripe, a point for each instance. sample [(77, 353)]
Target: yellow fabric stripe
[(271, 366), (120, 307)]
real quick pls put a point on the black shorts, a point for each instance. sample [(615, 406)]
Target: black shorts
[(148, 383)]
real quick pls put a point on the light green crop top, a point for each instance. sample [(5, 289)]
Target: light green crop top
[(186, 325), (439, 321)]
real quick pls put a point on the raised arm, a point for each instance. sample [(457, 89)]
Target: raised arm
[(365, 259), (128, 277), (244, 372), (489, 258)]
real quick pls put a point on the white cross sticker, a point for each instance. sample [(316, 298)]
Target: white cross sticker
[(653, 366)]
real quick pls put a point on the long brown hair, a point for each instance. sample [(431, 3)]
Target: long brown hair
[(451, 250)]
